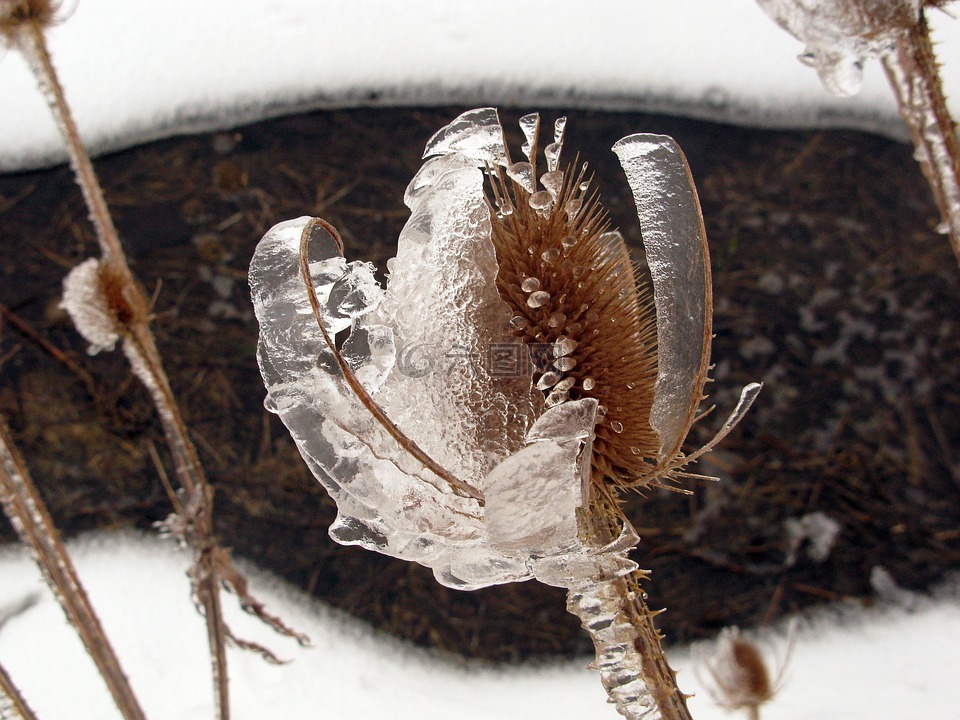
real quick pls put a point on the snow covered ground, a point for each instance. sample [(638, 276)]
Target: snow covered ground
[(136, 70), (884, 663)]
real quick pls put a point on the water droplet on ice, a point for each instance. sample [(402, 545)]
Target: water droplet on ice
[(564, 346), (530, 284), (522, 174), (616, 426), (550, 256), (589, 384), (548, 380), (565, 364), (556, 320), (541, 202), (538, 299)]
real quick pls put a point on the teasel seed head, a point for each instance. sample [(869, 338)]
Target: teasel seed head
[(577, 304)]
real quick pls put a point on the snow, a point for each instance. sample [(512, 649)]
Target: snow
[(885, 662), (136, 70)]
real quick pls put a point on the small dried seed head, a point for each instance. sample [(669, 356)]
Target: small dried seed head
[(15, 14)]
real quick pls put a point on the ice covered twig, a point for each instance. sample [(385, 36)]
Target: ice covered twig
[(841, 35)]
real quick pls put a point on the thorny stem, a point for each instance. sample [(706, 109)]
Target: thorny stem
[(12, 703), (140, 348), (913, 74), (29, 516)]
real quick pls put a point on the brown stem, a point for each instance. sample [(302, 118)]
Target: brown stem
[(140, 348), (29, 516), (11, 700), (913, 74)]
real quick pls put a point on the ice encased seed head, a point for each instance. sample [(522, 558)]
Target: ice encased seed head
[(86, 302)]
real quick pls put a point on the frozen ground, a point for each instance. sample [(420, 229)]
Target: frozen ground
[(883, 663), (136, 70)]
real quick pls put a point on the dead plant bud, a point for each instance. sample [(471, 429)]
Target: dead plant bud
[(16, 15), (737, 674)]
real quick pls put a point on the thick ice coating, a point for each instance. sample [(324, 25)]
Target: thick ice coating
[(421, 351)]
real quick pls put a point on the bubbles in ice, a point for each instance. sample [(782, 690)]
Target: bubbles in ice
[(530, 284), (538, 299)]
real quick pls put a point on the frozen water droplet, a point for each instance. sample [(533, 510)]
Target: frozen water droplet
[(943, 228), (616, 426), (573, 207), (530, 284), (565, 364), (552, 153), (548, 380), (564, 346), (556, 397), (506, 208), (390, 263), (635, 451), (556, 320), (541, 202), (517, 322), (553, 182), (538, 299), (601, 412), (579, 271), (550, 256), (592, 317), (566, 384), (558, 127), (585, 185), (568, 241), (522, 174), (589, 384), (530, 126), (574, 328)]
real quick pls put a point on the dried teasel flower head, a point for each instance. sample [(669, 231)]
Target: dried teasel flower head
[(461, 424), (736, 673), (17, 14)]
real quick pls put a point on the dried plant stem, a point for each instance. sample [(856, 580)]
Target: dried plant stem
[(36, 530), (12, 704), (140, 348), (913, 74)]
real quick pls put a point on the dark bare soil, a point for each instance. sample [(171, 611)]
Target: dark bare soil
[(830, 285)]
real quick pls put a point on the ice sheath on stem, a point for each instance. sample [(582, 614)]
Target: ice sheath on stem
[(488, 405)]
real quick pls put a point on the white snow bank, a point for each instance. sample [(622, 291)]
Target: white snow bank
[(136, 70), (852, 665)]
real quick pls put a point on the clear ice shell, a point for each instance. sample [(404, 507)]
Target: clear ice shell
[(675, 244), (475, 135)]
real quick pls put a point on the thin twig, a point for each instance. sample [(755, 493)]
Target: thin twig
[(29, 516), (12, 702)]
